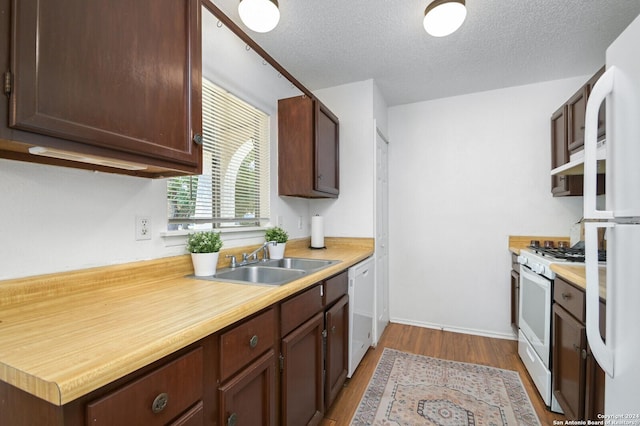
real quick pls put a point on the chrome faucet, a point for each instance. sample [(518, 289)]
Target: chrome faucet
[(253, 256)]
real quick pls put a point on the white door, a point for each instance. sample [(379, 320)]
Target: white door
[(382, 237)]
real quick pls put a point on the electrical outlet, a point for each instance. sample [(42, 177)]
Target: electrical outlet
[(299, 222), (280, 221), (143, 228)]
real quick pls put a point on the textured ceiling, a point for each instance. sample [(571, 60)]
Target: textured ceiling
[(502, 43)]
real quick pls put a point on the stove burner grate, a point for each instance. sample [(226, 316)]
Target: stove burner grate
[(568, 254)]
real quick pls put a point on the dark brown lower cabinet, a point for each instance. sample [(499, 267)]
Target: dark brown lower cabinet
[(193, 417), (569, 362), (577, 379), (515, 292), (337, 351), (249, 398), (594, 390), (302, 366), (228, 378)]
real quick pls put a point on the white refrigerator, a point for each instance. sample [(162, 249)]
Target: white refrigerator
[(619, 353)]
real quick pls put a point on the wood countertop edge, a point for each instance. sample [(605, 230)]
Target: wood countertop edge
[(62, 389)]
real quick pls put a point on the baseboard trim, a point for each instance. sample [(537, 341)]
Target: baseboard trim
[(476, 332)]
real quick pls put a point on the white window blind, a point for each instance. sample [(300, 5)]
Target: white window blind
[(233, 189)]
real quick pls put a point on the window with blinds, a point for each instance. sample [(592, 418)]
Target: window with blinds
[(233, 190)]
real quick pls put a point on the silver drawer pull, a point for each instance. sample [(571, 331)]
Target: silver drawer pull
[(232, 420), (160, 403), (566, 296), (253, 342)]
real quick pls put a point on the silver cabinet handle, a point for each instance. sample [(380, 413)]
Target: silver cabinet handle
[(160, 402), (232, 420), (197, 138), (253, 342)]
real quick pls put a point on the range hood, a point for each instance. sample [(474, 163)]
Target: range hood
[(575, 166)]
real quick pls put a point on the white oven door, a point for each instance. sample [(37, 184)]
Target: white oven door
[(535, 312)]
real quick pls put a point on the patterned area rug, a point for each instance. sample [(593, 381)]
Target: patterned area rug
[(409, 389)]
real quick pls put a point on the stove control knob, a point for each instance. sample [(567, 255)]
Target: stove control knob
[(538, 268), (522, 260)]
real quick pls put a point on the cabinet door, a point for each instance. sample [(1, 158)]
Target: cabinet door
[(594, 388), (576, 108), (327, 176), (569, 374), (302, 366), (515, 299), (559, 151), (249, 397), (117, 75), (602, 112), (308, 149), (337, 351)]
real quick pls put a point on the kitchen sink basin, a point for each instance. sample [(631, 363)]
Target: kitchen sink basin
[(272, 272), (259, 275), (300, 263)]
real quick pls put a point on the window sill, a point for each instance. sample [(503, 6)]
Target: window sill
[(231, 237)]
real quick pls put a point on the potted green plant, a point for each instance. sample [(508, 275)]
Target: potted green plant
[(280, 237), (204, 247)]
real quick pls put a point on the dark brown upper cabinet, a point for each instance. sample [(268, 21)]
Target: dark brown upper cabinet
[(110, 80), (560, 152), (577, 108), (567, 137), (603, 107), (308, 149)]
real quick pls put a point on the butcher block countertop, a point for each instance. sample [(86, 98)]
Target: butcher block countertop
[(64, 335)]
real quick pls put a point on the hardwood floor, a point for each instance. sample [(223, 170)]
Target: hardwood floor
[(498, 353)]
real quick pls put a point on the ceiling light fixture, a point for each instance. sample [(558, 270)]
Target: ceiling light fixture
[(443, 17), (260, 16)]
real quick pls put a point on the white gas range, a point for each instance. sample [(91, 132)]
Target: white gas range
[(536, 291)]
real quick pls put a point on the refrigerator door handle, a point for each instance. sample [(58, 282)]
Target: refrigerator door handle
[(602, 88), (601, 351)]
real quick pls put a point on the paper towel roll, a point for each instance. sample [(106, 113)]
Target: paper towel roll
[(317, 232)]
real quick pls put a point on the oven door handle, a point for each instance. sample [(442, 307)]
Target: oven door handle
[(538, 280)]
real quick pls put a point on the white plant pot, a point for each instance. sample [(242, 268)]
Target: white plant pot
[(204, 264), (277, 251)]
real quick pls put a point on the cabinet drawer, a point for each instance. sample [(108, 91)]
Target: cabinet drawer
[(335, 288), (300, 308), (154, 399), (245, 342), (569, 297)]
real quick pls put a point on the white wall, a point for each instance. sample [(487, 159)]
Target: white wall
[(465, 173), (351, 215), (54, 219)]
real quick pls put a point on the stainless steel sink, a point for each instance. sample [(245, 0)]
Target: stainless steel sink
[(259, 275), (300, 263), (271, 272)]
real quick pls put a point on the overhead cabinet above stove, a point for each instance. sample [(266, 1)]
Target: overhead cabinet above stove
[(567, 143), (308, 149)]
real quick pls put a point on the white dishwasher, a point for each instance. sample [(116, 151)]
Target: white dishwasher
[(361, 291)]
